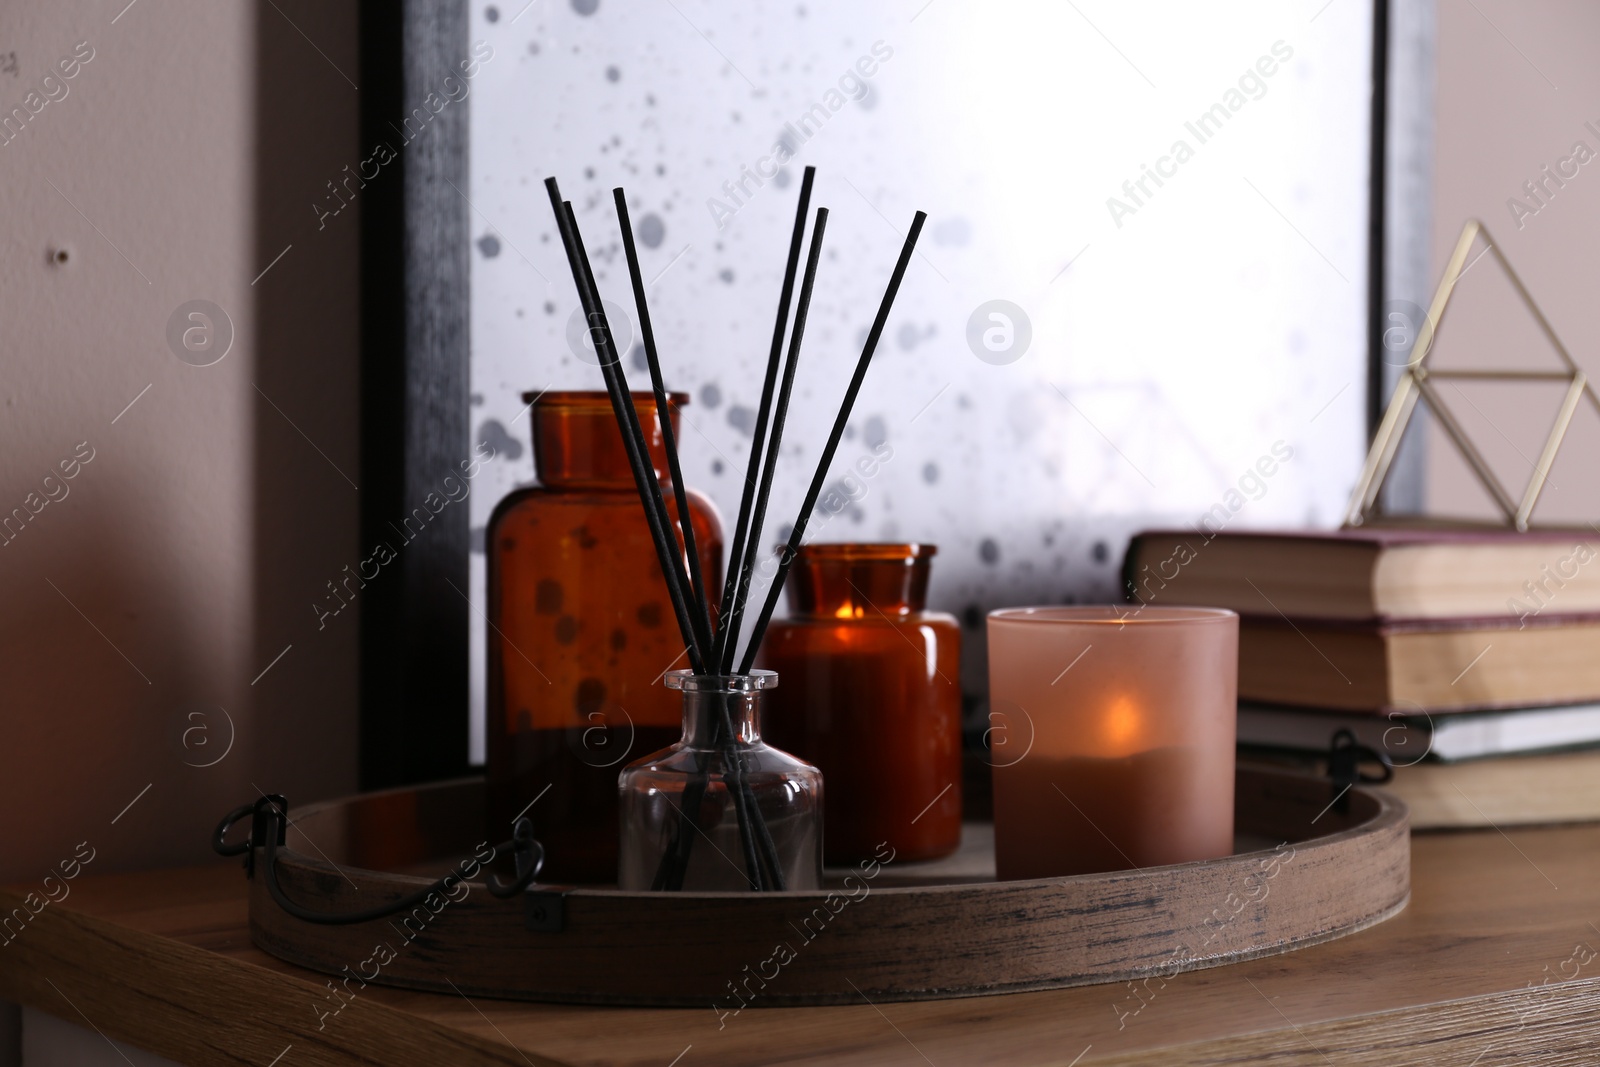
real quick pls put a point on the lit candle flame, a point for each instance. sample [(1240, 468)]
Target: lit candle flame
[(1122, 724)]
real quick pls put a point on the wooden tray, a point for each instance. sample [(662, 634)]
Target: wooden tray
[(890, 935)]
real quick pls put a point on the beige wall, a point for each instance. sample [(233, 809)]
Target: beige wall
[(1517, 83), (184, 555)]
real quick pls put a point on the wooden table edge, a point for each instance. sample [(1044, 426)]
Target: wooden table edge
[(200, 1007)]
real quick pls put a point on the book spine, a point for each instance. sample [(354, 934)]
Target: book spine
[(1128, 566)]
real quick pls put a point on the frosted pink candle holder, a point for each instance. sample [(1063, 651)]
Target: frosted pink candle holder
[(1112, 737)]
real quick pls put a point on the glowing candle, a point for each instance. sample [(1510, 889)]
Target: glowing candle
[(1115, 731)]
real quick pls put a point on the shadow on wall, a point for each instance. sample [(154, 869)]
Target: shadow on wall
[(306, 397), (90, 715)]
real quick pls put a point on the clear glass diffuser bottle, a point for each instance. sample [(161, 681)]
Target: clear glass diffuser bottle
[(720, 809)]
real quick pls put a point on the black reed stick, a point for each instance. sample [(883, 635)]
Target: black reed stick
[(753, 827), (726, 637), (628, 423), (744, 797), (752, 546), (768, 849), (675, 859), (821, 474), (745, 811), (668, 438)]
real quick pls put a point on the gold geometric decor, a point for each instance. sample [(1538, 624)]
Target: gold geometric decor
[(1416, 385)]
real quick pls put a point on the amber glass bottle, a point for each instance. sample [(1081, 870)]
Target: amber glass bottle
[(871, 695), (581, 631)]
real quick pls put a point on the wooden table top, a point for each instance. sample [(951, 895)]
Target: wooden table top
[(1495, 960)]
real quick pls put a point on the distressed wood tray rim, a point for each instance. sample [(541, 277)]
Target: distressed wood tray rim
[(894, 942)]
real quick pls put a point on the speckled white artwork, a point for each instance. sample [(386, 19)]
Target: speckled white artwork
[(1143, 269)]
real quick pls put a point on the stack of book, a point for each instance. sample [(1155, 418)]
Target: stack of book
[(1472, 657)]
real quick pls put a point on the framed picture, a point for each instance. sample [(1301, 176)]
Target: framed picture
[(1146, 229)]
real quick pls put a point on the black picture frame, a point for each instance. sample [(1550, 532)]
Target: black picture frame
[(416, 345), (415, 428)]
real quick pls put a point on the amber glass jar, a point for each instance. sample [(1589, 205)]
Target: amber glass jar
[(581, 632), (871, 695)]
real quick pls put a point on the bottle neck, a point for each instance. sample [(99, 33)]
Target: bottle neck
[(858, 581), (577, 442), (703, 718)]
